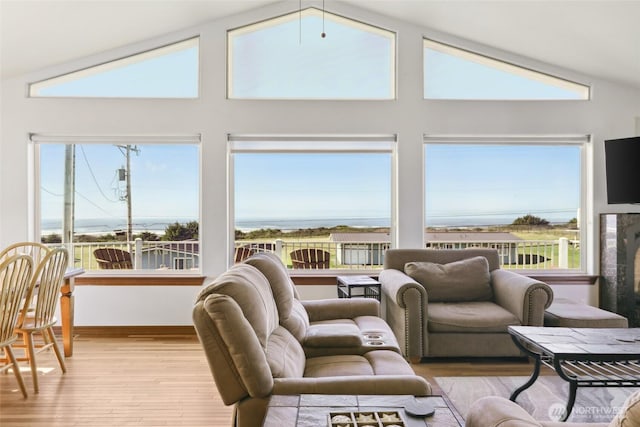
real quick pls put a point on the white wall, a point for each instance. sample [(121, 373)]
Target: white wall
[(611, 113)]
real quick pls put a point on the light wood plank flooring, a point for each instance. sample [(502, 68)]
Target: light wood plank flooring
[(140, 380)]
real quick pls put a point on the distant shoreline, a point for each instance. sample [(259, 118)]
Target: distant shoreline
[(101, 226)]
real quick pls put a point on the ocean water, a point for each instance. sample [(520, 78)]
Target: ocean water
[(111, 225), (158, 225)]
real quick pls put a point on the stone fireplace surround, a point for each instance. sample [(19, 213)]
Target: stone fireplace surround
[(620, 265)]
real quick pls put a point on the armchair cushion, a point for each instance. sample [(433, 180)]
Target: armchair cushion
[(481, 316), (464, 280)]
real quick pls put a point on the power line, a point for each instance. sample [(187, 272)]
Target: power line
[(94, 204), (84, 155), (51, 192)]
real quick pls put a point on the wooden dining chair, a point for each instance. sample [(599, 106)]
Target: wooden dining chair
[(38, 315), (15, 278), (310, 258), (35, 250)]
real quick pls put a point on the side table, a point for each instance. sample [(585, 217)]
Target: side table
[(358, 286)]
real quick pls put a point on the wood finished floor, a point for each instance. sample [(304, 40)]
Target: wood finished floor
[(151, 381)]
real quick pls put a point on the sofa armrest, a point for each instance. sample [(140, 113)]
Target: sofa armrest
[(523, 296), (406, 306), (340, 308), (493, 411), (357, 384)]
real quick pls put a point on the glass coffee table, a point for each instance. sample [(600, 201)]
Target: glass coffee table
[(321, 410), (584, 357)]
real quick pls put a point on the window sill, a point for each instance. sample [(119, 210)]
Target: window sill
[(299, 279), (550, 278), (138, 280)]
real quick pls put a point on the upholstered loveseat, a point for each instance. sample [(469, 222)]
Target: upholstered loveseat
[(457, 303), (253, 340)]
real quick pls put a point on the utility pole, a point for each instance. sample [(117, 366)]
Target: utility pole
[(69, 195), (126, 150)]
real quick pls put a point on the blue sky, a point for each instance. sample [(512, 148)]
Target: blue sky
[(164, 181), (292, 186), (481, 183), (499, 181)]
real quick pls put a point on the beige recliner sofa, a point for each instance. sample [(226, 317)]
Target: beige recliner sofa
[(253, 354), (457, 303), (327, 326)]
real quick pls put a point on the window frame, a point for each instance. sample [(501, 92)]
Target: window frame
[(123, 60), (313, 11), (583, 141), (583, 90), (313, 144), (161, 277)]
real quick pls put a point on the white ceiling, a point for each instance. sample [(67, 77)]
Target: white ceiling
[(595, 37)]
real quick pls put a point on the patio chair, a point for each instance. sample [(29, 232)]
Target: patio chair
[(15, 278), (310, 258), (242, 253), (113, 259)]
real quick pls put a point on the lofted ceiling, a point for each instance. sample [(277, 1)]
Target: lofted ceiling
[(595, 37)]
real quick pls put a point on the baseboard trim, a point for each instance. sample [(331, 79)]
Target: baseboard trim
[(132, 331)]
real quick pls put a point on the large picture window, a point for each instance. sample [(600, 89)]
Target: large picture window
[(122, 203), (520, 195), (318, 203)]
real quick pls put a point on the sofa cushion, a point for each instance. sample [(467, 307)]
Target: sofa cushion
[(464, 280), (298, 321), (273, 269), (234, 354), (386, 362), (285, 354), (481, 316), (336, 366), (629, 415), (250, 289)]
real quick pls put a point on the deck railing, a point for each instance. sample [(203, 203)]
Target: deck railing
[(184, 255)]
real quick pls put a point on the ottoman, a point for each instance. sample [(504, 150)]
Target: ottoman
[(566, 313)]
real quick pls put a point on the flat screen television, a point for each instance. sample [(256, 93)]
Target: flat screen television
[(622, 163)]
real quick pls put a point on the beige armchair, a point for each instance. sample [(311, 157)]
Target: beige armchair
[(253, 355), (457, 303), (494, 411)]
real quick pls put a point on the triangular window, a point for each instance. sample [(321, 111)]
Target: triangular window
[(167, 72), (288, 58), (453, 73)]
